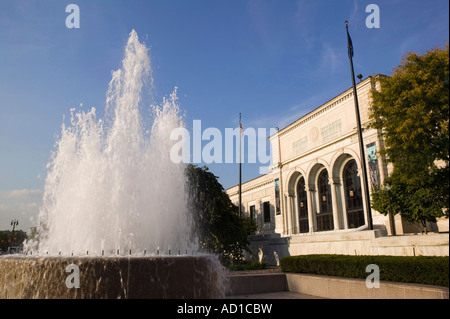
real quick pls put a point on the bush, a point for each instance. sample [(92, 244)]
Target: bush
[(250, 265), (428, 270)]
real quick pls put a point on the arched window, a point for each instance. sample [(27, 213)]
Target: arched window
[(325, 214), (353, 195), (302, 206)]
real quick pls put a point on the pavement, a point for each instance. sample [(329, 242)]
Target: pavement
[(269, 295), (276, 295), (270, 284)]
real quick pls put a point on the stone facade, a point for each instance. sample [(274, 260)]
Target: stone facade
[(315, 184)]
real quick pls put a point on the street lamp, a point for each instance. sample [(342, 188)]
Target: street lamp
[(360, 135)]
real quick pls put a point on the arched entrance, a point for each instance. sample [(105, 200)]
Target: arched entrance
[(302, 203), (353, 195), (324, 217)]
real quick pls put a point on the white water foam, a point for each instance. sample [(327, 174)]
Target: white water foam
[(111, 186)]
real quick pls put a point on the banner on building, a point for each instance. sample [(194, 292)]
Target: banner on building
[(374, 171)]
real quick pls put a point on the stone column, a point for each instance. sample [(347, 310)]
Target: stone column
[(310, 197), (294, 215), (289, 213), (334, 182), (344, 211)]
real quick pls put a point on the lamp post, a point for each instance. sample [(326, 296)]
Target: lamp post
[(360, 137), (240, 167)]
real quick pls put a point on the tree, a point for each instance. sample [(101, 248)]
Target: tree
[(4, 241), (415, 204), (8, 238), (412, 111), (216, 218)]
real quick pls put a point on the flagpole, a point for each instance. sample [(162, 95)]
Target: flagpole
[(240, 168), (361, 143)]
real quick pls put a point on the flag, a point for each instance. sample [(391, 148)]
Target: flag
[(241, 129), (350, 45)]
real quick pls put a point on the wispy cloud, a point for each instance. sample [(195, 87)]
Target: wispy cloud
[(410, 42), (356, 16), (20, 193), (331, 59), (304, 18), (286, 114)]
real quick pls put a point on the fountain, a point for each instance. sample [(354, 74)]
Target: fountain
[(114, 203)]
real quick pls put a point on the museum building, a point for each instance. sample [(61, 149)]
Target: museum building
[(315, 183)]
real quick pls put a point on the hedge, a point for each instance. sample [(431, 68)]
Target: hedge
[(428, 270), (252, 265)]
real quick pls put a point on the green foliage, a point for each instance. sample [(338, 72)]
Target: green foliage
[(4, 241), (428, 270), (8, 238), (416, 204), (248, 265), (412, 112), (216, 218)]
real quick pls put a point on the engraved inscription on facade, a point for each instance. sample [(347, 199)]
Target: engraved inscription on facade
[(331, 131), (300, 145)]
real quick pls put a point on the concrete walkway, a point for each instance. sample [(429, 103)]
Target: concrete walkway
[(274, 284), (262, 284)]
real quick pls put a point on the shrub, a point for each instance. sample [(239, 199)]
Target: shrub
[(251, 265), (428, 270)]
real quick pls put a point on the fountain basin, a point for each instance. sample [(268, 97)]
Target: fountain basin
[(152, 277)]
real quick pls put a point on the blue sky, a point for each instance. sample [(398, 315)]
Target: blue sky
[(274, 61)]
